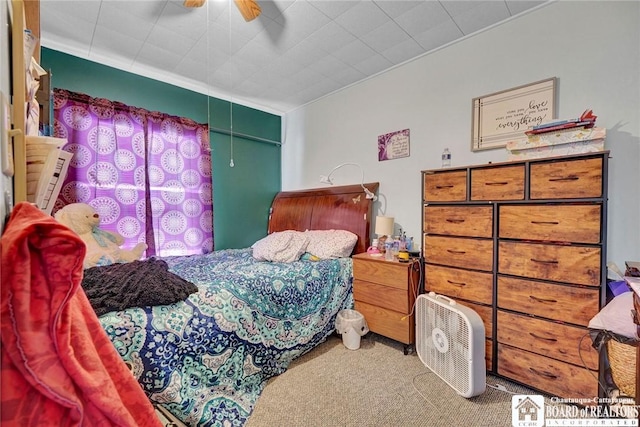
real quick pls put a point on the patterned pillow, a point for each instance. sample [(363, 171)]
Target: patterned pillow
[(328, 244), (281, 246)]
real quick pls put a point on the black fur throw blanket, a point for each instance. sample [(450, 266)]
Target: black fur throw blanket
[(134, 284)]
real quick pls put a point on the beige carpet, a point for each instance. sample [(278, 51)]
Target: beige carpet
[(376, 385)]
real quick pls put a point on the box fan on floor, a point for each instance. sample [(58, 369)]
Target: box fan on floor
[(450, 342)]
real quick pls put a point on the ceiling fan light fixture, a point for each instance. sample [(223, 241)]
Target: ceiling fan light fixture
[(194, 3), (249, 9)]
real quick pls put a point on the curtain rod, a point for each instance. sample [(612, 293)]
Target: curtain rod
[(245, 136)]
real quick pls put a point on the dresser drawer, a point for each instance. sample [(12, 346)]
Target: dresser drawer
[(383, 296), (563, 342), (488, 354), (392, 324), (470, 221), (569, 179), (568, 264), (456, 283), (570, 304), (550, 375), (475, 254), (485, 313), (559, 223), (498, 183), (445, 186), (383, 273)]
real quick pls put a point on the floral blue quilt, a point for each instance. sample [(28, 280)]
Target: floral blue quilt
[(208, 358)]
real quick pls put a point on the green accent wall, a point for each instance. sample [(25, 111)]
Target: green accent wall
[(242, 194)]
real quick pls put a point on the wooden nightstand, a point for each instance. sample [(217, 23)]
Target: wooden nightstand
[(384, 293)]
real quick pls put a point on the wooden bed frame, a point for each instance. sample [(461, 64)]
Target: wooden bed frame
[(332, 208)]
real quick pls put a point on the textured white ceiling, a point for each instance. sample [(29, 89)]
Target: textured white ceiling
[(295, 52)]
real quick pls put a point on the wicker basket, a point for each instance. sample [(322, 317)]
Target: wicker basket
[(622, 358)]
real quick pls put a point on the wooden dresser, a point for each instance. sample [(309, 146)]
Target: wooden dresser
[(384, 293), (523, 244)]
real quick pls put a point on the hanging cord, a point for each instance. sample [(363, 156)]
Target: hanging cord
[(231, 163), (208, 79)]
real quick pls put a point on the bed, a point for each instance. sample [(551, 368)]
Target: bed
[(207, 358)]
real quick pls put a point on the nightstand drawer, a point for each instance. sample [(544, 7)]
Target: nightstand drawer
[(566, 303), (568, 264), (392, 324), (383, 296), (558, 223), (554, 377), (475, 254), (498, 183), (469, 221), (569, 179), (457, 283), (392, 274), (445, 186), (563, 342)]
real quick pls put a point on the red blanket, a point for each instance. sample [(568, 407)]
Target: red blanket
[(58, 366)]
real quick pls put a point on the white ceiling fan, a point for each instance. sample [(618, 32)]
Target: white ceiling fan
[(250, 9)]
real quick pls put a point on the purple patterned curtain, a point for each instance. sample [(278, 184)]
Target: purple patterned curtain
[(146, 173)]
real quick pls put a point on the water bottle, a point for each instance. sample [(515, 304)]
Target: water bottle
[(446, 158), (388, 254)]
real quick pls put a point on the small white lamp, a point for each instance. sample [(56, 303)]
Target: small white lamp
[(326, 179), (384, 228)]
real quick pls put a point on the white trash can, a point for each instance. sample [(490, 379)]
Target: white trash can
[(351, 325)]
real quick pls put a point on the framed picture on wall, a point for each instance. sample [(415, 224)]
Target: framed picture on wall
[(393, 145), (504, 116)]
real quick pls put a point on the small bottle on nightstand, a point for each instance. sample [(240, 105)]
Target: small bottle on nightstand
[(388, 254)]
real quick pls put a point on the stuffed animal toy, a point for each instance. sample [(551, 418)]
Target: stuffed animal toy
[(103, 247)]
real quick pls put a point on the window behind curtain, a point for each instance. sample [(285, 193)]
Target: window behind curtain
[(146, 173)]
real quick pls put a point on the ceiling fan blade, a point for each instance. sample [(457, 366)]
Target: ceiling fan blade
[(194, 3), (249, 9)]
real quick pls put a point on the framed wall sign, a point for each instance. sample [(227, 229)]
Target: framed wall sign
[(505, 116), (393, 145)]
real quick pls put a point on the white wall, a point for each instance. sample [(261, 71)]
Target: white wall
[(593, 48)]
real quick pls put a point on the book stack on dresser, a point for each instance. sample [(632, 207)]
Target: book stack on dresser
[(523, 244)]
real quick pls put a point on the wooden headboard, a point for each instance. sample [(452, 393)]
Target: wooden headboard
[(332, 208)]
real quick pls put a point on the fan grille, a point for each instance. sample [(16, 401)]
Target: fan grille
[(443, 343)]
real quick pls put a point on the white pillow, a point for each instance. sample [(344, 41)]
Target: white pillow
[(616, 317), (328, 244), (281, 246)]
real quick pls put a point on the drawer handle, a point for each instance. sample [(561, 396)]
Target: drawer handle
[(439, 187), (543, 374), (542, 338), (545, 222), (542, 299), (451, 251), (542, 261), (568, 178), (457, 283), (455, 221), (496, 183)]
